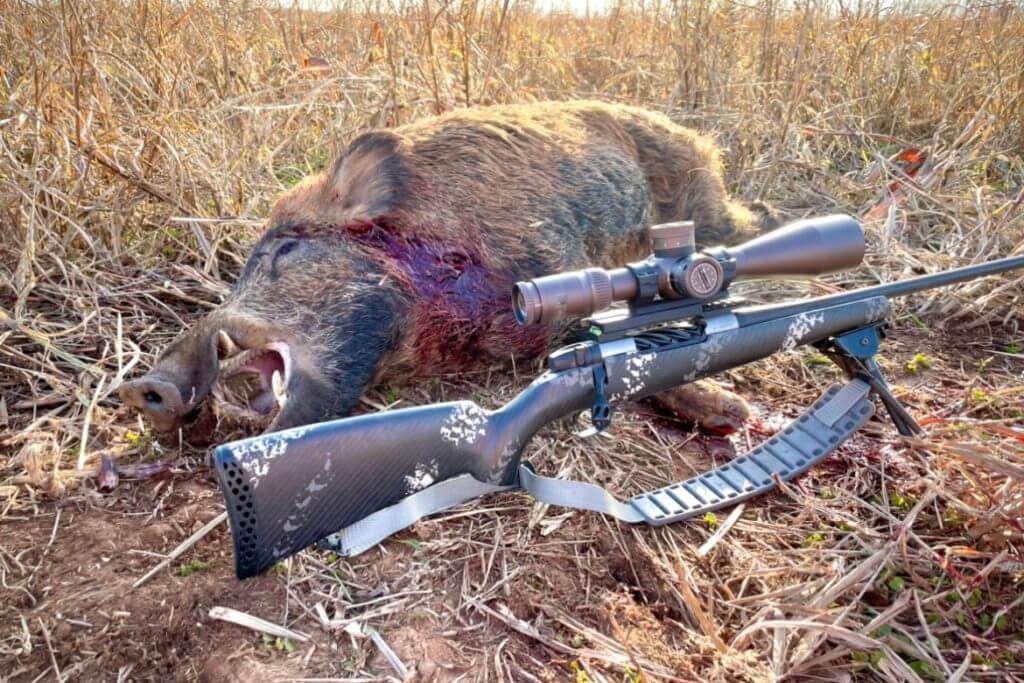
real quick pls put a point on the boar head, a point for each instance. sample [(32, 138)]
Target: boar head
[(303, 331)]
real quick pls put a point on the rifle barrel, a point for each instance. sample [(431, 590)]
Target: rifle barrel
[(890, 290), (948, 277)]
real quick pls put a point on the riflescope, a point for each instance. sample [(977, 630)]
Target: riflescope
[(678, 271)]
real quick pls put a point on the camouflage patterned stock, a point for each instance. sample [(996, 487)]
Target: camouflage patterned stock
[(288, 489)]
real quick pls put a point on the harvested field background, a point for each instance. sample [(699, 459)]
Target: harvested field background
[(141, 143)]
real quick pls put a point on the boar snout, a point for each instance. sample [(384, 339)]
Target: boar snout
[(159, 400), (169, 393), (242, 368)]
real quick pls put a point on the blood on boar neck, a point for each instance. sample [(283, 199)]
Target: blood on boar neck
[(460, 305)]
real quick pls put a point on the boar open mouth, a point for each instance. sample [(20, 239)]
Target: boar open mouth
[(251, 384), (240, 374)]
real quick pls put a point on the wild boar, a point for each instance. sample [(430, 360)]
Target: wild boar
[(396, 262)]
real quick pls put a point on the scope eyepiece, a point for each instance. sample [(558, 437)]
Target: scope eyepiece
[(554, 297), (526, 303)]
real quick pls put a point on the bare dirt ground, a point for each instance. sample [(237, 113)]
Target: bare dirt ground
[(141, 144)]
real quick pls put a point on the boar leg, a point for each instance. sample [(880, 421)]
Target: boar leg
[(705, 404)]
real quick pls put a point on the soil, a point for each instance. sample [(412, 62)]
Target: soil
[(69, 603), (73, 568)]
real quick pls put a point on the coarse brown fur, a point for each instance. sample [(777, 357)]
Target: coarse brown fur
[(397, 261), (492, 175)]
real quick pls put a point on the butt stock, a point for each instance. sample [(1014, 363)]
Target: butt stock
[(289, 489), (286, 490)]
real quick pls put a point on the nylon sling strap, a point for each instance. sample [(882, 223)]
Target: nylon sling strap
[(806, 441), (372, 529), (803, 443)]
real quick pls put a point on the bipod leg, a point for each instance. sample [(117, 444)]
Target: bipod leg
[(904, 421), (855, 353)]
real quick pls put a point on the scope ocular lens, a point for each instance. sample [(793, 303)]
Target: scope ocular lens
[(520, 305)]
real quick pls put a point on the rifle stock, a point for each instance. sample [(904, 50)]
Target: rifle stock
[(289, 489)]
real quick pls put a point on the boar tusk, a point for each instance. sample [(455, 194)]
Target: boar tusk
[(226, 345), (280, 391)]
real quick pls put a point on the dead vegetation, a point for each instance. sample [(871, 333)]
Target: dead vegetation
[(140, 144)]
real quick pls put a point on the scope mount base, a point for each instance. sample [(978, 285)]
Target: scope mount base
[(618, 323)]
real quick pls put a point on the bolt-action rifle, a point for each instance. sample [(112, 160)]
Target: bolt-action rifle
[(372, 475)]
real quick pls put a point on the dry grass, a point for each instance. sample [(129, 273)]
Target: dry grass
[(141, 142)]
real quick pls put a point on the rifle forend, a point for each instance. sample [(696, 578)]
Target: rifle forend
[(677, 271)]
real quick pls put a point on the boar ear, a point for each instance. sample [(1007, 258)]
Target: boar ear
[(371, 177)]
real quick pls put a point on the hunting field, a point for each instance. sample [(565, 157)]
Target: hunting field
[(143, 142)]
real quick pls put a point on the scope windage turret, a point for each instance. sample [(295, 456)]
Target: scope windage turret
[(676, 270)]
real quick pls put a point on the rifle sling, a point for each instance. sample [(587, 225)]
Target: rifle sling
[(372, 529), (803, 443), (806, 441)]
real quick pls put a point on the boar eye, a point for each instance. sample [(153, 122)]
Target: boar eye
[(287, 247)]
